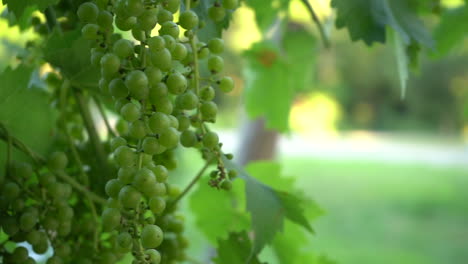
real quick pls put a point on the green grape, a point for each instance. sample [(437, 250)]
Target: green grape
[(121, 126), (188, 19), (126, 24), (30, 260), (27, 221), (64, 229), (151, 146), (137, 129), (17, 205), (110, 219), (171, 5), (126, 174), (148, 19), (207, 93), (110, 64), (226, 84), (188, 138), (90, 31), (162, 59), (135, 7), (154, 76), (57, 161), (113, 188), (117, 142), (169, 28), (194, 3), (174, 121), (129, 197), (33, 237), (50, 223), (104, 86), (215, 64), (105, 20), (88, 12), (158, 122), (184, 122), (187, 101), (118, 107), (42, 245), (179, 52), (154, 189), (164, 105), (176, 225), (10, 225), (47, 179), (209, 111), (137, 83), (138, 33), (151, 236), (124, 240), (203, 51), (118, 89), (216, 12), (112, 203), (164, 16), (176, 83), (170, 42), (156, 43), (96, 57), (169, 138), (19, 255), (123, 48), (157, 205), (62, 250), (130, 112), (210, 140), (144, 178), (230, 4), (216, 45), (160, 172), (157, 92), (153, 255), (124, 156), (11, 191), (65, 213)]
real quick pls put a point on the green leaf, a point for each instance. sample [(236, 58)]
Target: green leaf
[(211, 29), (25, 110), (235, 250), (268, 207), (218, 212), (452, 30), (71, 54), (267, 11), (19, 6)]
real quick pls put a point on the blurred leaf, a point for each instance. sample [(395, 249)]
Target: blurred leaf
[(25, 110), (268, 207), (211, 29), (71, 54), (24, 21), (217, 212), (19, 6), (235, 250), (267, 11), (402, 61), (452, 29)]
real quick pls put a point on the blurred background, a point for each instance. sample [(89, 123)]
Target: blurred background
[(391, 173)]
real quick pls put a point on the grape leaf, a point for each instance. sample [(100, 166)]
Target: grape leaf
[(451, 30), (71, 54), (25, 110), (217, 212), (235, 250), (266, 11), (19, 6), (268, 207)]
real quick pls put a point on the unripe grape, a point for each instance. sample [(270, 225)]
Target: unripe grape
[(122, 125), (151, 146), (124, 156), (137, 129), (160, 172), (138, 33), (184, 122), (157, 92), (110, 64), (57, 161), (156, 43), (171, 5), (126, 174), (164, 16), (143, 178), (11, 191), (27, 221), (19, 255), (96, 57), (88, 12), (148, 19), (188, 19), (216, 45), (209, 111), (125, 24), (226, 185), (210, 140), (162, 59), (216, 13), (104, 86), (158, 122), (207, 93), (123, 48), (154, 76), (188, 138), (226, 84), (46, 179), (118, 89), (170, 42), (215, 64), (174, 121), (187, 101), (203, 51), (124, 240), (153, 255), (110, 219), (113, 187), (176, 83), (135, 7), (157, 205), (230, 4), (179, 52), (130, 112), (90, 31), (105, 20), (169, 28), (169, 138), (151, 236), (129, 197), (164, 105), (137, 84), (33, 237)]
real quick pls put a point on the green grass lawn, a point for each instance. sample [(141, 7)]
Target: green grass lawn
[(386, 213)]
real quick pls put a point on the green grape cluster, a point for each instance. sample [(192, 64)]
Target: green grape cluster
[(154, 80)]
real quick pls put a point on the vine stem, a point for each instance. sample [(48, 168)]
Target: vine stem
[(316, 20), (191, 184), (41, 161)]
